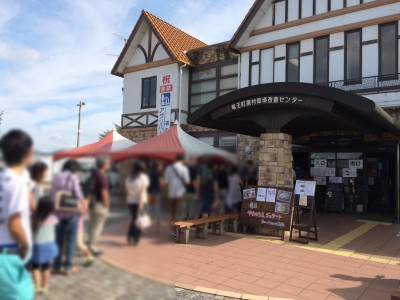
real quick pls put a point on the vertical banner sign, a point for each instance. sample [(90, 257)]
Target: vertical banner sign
[(164, 111)]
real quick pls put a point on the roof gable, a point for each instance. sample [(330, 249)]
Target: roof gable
[(175, 41), (253, 17)]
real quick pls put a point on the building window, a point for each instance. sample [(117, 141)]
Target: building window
[(293, 62), (353, 56), (388, 53), (149, 92), (211, 82), (321, 60)]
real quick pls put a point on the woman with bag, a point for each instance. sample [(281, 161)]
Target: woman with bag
[(67, 193), (136, 185)]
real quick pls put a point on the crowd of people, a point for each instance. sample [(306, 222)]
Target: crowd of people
[(40, 229), (195, 188)]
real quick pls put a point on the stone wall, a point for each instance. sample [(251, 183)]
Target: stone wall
[(139, 134), (253, 144), (275, 160)]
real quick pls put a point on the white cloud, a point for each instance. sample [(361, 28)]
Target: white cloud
[(12, 52), (8, 10), (41, 95), (60, 59)]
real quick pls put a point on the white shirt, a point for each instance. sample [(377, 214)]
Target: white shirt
[(234, 194), (37, 192), (14, 199), (134, 188), (176, 188)]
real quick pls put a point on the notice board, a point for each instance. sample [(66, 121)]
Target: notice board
[(267, 206)]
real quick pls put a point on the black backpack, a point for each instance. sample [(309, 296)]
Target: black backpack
[(89, 185)]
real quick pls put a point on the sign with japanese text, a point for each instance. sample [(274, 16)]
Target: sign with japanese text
[(320, 180), (319, 172), (320, 163), (280, 100), (304, 191), (356, 164), (335, 179), (164, 111), (267, 207), (347, 172)]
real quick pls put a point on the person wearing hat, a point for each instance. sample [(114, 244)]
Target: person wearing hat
[(100, 203)]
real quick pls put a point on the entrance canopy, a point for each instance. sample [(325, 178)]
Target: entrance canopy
[(172, 142), (294, 108), (110, 143)]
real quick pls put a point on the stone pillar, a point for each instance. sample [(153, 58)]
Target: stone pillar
[(275, 160)]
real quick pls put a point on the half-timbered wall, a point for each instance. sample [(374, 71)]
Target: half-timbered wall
[(264, 53)]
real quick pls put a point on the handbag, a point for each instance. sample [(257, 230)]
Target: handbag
[(65, 200), (151, 199), (143, 221), (15, 281)]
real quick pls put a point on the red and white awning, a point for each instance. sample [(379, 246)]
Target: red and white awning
[(172, 142), (111, 143)]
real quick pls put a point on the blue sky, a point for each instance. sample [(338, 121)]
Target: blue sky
[(54, 53)]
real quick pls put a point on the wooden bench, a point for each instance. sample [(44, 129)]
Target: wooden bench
[(201, 225)]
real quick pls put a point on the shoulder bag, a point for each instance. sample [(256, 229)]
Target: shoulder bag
[(66, 200), (15, 281)]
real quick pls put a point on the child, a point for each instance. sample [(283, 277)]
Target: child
[(45, 248)]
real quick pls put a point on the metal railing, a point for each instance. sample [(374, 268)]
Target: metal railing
[(373, 84), (146, 119)]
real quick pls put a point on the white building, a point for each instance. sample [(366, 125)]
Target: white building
[(305, 68)]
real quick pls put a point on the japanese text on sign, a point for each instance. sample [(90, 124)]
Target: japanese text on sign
[(164, 111), (266, 100), (355, 164)]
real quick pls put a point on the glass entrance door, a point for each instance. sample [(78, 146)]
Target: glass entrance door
[(380, 174)]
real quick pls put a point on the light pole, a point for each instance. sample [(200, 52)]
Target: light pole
[(80, 104)]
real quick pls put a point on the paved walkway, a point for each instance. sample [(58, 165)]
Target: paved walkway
[(103, 282), (352, 260)]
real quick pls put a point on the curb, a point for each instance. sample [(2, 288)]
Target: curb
[(216, 292)]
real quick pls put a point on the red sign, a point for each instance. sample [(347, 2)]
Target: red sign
[(166, 88)]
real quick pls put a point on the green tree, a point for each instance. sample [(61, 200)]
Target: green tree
[(105, 132)]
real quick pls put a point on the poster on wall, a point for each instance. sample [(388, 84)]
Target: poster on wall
[(320, 163), (320, 180), (261, 194), (271, 194), (321, 172), (349, 172), (335, 179), (164, 111)]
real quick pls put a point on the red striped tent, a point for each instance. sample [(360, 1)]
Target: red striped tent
[(111, 143), (172, 142)]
